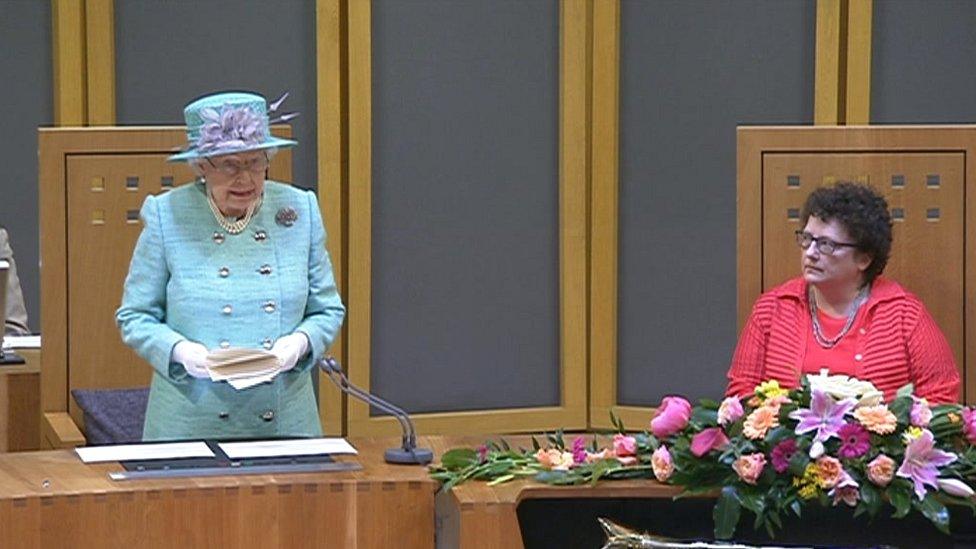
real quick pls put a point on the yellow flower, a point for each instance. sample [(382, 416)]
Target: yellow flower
[(770, 389), (810, 483), (911, 434), (953, 417)]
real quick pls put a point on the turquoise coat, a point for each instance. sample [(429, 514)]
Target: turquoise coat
[(189, 279)]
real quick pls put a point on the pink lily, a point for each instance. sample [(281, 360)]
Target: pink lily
[(922, 461), (824, 415)]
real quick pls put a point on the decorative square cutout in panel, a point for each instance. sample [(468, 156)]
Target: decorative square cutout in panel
[(793, 214), (793, 181), (166, 182), (131, 216), (97, 184), (933, 181), (898, 214), (863, 179), (933, 214), (98, 217), (132, 183), (829, 179), (898, 181)]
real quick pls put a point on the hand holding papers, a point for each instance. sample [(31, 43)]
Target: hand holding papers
[(242, 368)]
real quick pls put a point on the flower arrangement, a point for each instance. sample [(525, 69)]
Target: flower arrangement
[(833, 441)]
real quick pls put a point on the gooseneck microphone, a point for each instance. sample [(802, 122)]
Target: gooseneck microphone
[(408, 453)]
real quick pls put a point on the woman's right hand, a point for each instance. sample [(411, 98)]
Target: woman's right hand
[(193, 357)]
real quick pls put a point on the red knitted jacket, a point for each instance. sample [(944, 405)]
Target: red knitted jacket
[(900, 343)]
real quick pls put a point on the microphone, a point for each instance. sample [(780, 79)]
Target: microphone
[(408, 453)]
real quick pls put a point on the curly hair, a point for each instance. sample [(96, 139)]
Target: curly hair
[(864, 215)]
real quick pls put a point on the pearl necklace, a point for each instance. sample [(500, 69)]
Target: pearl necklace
[(859, 300), (235, 227)]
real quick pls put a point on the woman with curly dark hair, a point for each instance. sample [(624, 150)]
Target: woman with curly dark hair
[(841, 315)]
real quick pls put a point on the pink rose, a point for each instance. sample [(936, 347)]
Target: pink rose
[(554, 459), (881, 470), (921, 414), (661, 464), (710, 439), (672, 416), (730, 411), (969, 424), (624, 445), (749, 467)]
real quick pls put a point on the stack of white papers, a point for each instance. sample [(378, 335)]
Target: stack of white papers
[(125, 452), (293, 447), (242, 368), (22, 342)]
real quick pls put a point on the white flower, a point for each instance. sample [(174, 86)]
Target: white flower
[(841, 387), (816, 449)]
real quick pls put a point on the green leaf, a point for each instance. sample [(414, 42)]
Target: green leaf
[(900, 497), (933, 510), (798, 463), (905, 391), (459, 458), (726, 513), (870, 500), (704, 417), (796, 507), (535, 444)]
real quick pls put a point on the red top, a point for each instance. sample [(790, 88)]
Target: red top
[(898, 342), (841, 358)]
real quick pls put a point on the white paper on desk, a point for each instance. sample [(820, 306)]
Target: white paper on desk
[(297, 447), (125, 452), (22, 342)]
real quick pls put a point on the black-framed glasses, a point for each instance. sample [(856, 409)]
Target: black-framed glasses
[(824, 244), (231, 168)]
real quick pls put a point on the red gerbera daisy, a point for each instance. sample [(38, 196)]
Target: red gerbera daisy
[(855, 441)]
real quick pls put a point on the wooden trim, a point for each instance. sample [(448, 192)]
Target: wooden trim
[(748, 223), (604, 211), (54, 280), (828, 87), (574, 182), (358, 323), (859, 62), (100, 56), (330, 157), (575, 26), (68, 52)]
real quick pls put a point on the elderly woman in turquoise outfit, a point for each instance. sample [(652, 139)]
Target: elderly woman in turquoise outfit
[(231, 261)]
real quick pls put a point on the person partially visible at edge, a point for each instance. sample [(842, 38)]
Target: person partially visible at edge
[(16, 319), (231, 261), (841, 314)]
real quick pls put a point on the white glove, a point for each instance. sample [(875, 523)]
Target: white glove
[(290, 349), (193, 357)]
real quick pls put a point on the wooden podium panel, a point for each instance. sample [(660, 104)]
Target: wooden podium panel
[(51, 499), (925, 193)]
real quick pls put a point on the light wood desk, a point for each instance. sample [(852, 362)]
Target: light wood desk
[(51, 499), (20, 403)]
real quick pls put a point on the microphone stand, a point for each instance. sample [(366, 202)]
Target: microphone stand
[(408, 453)]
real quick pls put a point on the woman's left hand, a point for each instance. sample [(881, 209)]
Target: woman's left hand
[(290, 349)]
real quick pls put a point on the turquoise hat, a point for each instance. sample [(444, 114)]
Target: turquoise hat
[(230, 122)]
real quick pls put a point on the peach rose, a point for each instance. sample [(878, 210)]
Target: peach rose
[(672, 416), (881, 470), (624, 445), (661, 464), (877, 419), (831, 471), (605, 453), (552, 458), (749, 467), (760, 421)]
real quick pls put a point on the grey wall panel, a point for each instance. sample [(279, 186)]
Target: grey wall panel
[(691, 72), (465, 204), (168, 53), (25, 104), (923, 62)]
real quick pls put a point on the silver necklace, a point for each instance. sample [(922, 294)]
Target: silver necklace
[(233, 227), (824, 342)]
